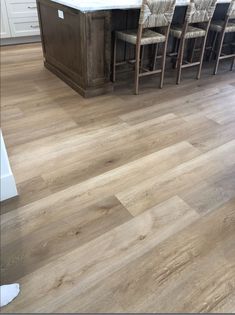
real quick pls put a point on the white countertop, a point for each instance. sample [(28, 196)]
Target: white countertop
[(97, 5)]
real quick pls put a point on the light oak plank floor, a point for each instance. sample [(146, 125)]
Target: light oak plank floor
[(126, 203)]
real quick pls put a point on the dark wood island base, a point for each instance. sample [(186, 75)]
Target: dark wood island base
[(77, 46)]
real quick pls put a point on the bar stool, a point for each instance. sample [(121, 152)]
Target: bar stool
[(154, 13), (198, 11), (222, 28)]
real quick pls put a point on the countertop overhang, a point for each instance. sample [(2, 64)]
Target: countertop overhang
[(99, 5)]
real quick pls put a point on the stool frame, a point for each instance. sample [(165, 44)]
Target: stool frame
[(194, 15), (152, 15), (219, 56)]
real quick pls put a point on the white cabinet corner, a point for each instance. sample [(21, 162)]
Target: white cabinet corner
[(5, 27), (19, 18)]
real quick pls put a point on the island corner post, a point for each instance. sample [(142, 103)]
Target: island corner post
[(77, 46)]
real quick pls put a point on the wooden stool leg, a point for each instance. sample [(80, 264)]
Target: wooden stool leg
[(221, 40), (155, 56), (232, 64), (163, 64), (142, 57), (233, 52), (175, 51), (213, 46), (201, 57), (137, 69), (114, 58), (180, 59), (193, 50)]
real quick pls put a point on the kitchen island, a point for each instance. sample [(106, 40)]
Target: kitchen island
[(77, 38)]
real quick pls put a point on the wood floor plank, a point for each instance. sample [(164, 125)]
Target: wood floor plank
[(53, 239), (28, 191), (186, 104), (215, 109), (23, 220), (103, 256), (191, 267), (157, 189), (79, 157), (209, 139), (107, 147), (39, 125), (205, 197), (126, 202), (225, 179)]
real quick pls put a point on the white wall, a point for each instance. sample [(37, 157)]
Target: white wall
[(8, 186)]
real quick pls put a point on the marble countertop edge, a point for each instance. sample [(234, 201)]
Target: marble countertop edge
[(86, 6)]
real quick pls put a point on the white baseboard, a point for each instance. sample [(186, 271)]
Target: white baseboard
[(20, 40), (8, 187)]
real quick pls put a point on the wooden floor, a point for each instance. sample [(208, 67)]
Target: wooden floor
[(127, 203)]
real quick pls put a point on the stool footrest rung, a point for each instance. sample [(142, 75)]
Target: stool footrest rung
[(191, 64), (150, 73), (227, 56)]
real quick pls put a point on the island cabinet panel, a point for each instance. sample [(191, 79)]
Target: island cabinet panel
[(98, 47), (76, 46)]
